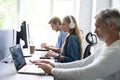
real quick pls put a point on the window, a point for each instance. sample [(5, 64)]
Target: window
[(62, 8), (115, 4), (8, 14), (37, 14)]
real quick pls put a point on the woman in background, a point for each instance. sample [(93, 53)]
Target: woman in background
[(72, 47)]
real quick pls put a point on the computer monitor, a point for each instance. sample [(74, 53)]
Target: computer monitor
[(7, 39), (23, 35)]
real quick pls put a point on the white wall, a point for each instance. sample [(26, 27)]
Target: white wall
[(102, 4), (116, 4), (85, 18)]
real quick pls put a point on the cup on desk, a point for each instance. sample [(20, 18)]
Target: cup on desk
[(32, 49)]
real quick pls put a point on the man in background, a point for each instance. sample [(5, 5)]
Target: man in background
[(56, 25)]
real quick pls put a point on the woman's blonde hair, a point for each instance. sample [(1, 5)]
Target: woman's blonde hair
[(75, 30)]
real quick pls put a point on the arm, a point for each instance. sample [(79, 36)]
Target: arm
[(53, 48), (75, 64), (48, 47), (101, 67)]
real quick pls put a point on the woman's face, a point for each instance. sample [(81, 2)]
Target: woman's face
[(65, 26)]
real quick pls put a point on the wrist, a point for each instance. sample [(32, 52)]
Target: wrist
[(58, 56)]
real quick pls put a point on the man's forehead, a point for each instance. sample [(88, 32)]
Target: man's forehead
[(98, 21)]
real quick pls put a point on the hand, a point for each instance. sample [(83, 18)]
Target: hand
[(45, 45), (46, 67), (43, 61), (51, 54), (37, 61)]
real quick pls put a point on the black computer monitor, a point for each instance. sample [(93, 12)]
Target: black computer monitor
[(23, 34)]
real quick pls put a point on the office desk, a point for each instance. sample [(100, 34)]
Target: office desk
[(8, 72)]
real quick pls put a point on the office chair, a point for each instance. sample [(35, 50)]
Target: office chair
[(92, 41)]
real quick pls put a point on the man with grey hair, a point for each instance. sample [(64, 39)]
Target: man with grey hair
[(104, 64)]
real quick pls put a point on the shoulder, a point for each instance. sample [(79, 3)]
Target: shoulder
[(72, 36), (112, 51), (63, 33)]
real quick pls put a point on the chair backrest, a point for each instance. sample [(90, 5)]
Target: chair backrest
[(92, 40)]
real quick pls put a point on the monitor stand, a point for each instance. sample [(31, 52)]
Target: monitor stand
[(7, 59)]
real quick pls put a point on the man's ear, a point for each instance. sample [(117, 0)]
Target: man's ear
[(112, 25)]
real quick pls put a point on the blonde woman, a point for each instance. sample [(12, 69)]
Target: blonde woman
[(71, 49)]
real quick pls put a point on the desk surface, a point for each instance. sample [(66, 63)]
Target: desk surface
[(8, 72)]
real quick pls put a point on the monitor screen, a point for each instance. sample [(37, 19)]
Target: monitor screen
[(7, 39), (17, 56), (23, 35)]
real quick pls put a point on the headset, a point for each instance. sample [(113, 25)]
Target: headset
[(71, 24)]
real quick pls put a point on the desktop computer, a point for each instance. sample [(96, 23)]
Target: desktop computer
[(7, 39), (23, 35)]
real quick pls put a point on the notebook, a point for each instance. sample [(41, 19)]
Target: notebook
[(20, 63)]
